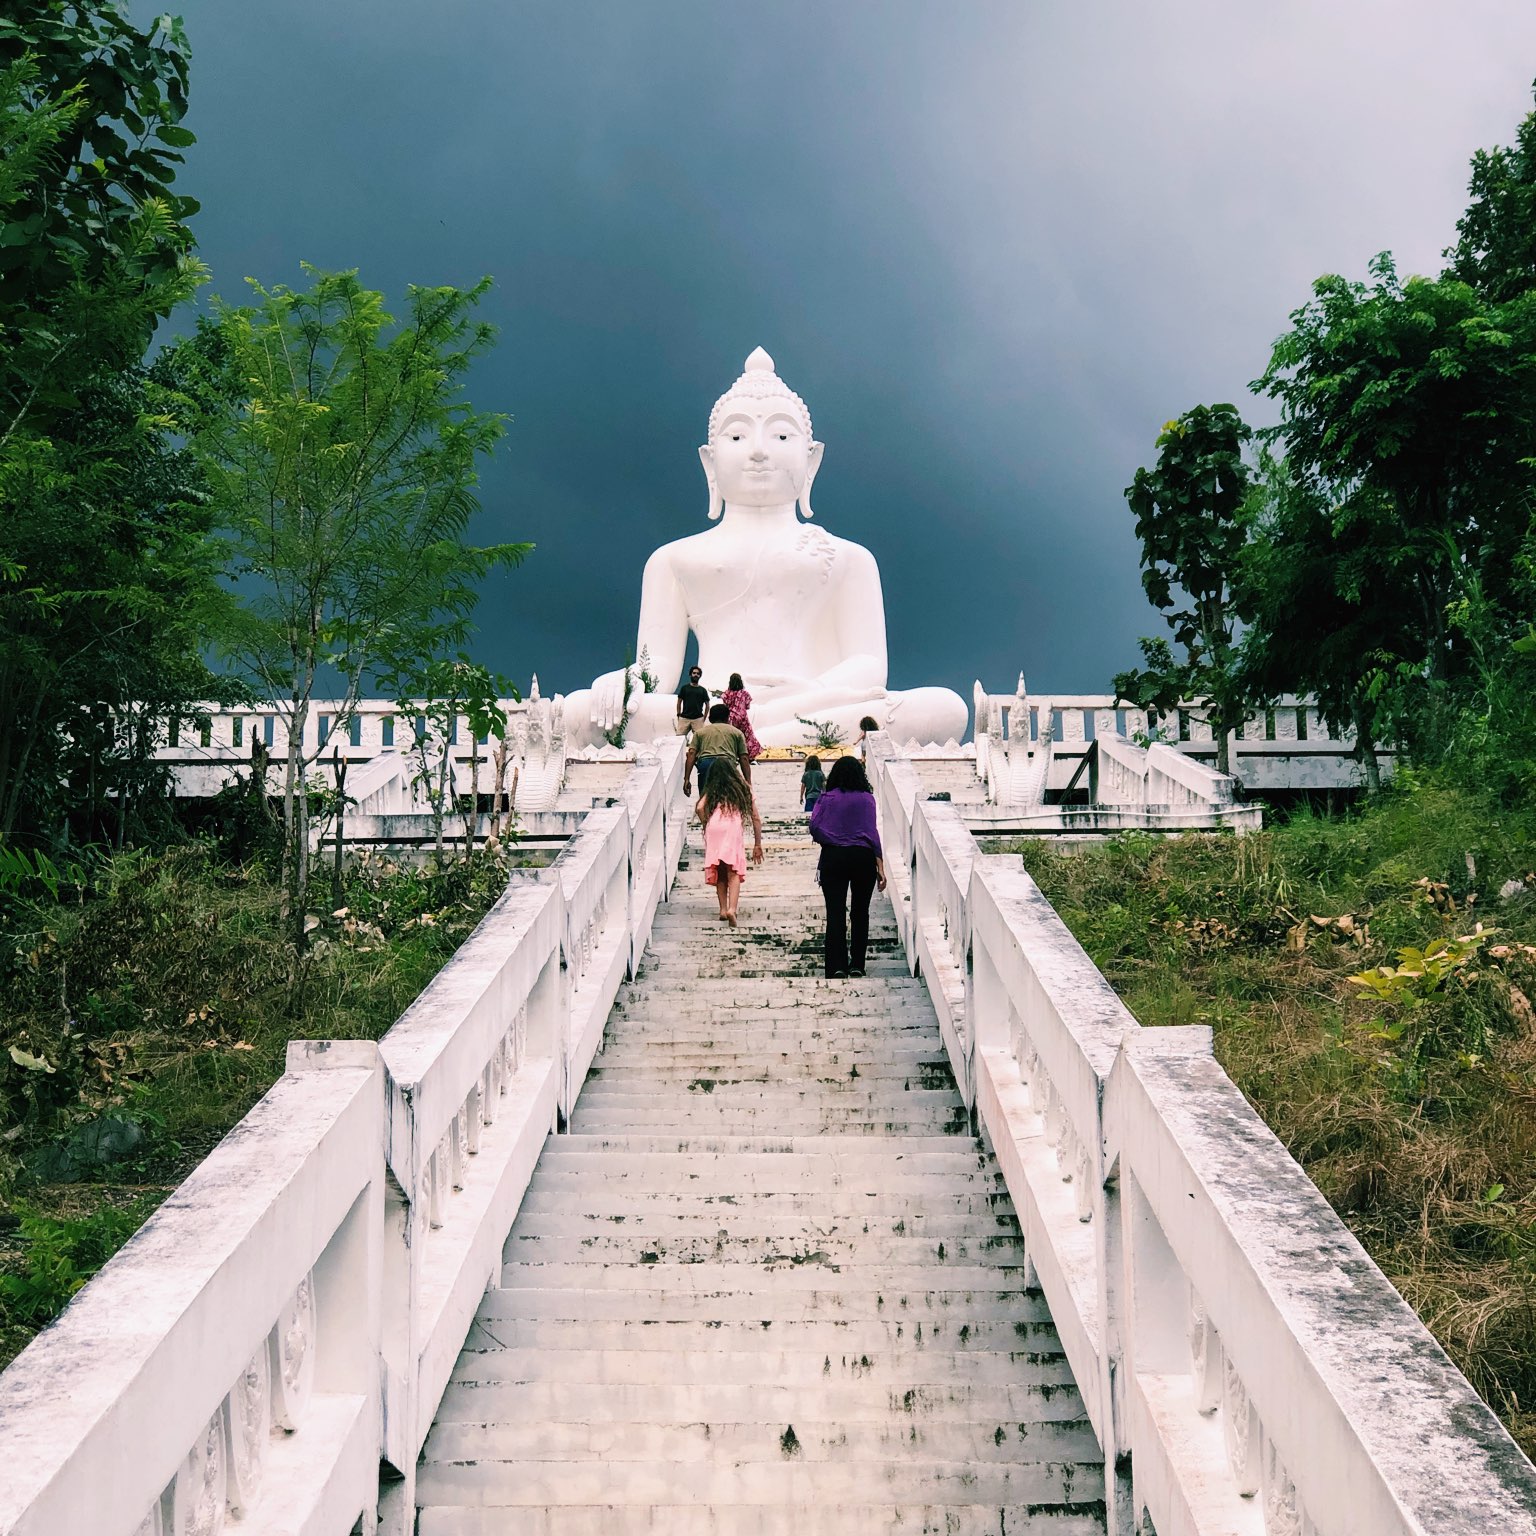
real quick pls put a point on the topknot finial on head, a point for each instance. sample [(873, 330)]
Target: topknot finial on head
[(759, 380)]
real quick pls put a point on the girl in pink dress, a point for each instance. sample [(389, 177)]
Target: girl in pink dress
[(725, 802), (739, 701)]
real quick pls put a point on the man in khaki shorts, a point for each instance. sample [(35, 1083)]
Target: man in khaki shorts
[(692, 703)]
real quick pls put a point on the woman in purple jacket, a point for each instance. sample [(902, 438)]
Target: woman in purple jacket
[(851, 863)]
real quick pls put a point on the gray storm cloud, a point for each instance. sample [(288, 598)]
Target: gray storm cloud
[(994, 246)]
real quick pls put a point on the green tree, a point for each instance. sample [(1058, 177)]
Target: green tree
[(1496, 249), (1325, 613), (109, 589), (1410, 402), (94, 248), (1189, 518), (342, 488), (434, 692), (104, 577)]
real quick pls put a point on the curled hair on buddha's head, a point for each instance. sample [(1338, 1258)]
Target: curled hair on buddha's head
[(760, 381), (848, 773)]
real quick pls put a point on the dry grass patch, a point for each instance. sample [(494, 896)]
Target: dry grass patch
[(1415, 1115)]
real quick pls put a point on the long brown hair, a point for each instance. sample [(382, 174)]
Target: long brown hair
[(726, 789)]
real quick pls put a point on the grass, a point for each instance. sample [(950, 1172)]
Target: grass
[(162, 998), (1415, 1116)]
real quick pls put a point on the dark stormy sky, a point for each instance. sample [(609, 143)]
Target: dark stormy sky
[(993, 245)]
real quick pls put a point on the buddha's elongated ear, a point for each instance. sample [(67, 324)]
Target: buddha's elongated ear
[(812, 464), (716, 504)]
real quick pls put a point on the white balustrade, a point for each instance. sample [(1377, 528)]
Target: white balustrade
[(594, 872), (225, 1363), (1288, 747), (1245, 1366), (290, 1316)]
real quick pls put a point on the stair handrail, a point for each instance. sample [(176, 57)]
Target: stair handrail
[(1243, 1362), (320, 1269)]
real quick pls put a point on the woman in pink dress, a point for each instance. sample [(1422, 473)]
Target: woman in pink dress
[(725, 803), (739, 701)]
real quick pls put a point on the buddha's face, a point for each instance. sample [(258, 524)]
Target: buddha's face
[(760, 455)]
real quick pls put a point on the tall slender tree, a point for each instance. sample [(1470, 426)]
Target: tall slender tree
[(1190, 519), (343, 488)]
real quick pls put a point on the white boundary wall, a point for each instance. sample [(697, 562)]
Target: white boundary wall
[(1247, 1368), (289, 1317), (1289, 747)]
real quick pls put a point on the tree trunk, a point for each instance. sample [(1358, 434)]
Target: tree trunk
[(296, 823), (472, 820), (499, 787), (339, 764), (1365, 745)]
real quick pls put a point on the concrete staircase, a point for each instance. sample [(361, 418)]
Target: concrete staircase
[(768, 1285)]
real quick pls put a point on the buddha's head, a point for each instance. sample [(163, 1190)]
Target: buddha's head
[(760, 451)]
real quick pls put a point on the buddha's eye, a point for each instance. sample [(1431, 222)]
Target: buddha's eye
[(783, 437)]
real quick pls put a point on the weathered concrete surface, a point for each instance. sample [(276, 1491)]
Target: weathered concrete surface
[(769, 1282)]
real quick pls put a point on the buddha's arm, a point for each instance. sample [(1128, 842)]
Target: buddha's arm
[(663, 619), (663, 637), (860, 626)]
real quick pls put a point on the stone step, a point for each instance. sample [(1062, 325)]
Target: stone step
[(732, 1172), (773, 1251), (564, 1299), (592, 1189), (837, 1095), (876, 1122), (697, 1006), (636, 1201), (793, 1480), (822, 1336), (763, 990), (761, 1367), (819, 1519), (810, 1059), (776, 1035), (662, 1221), (631, 1144), (850, 1401), (815, 1440), (767, 1287), (818, 1107)]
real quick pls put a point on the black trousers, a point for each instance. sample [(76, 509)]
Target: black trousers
[(847, 873)]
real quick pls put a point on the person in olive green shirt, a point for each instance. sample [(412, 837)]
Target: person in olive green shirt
[(717, 739)]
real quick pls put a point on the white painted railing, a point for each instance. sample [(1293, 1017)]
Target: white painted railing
[(1290, 746), (1158, 777), (1245, 1365), (289, 1317), (218, 742)]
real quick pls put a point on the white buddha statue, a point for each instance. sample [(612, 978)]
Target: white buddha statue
[(796, 611)]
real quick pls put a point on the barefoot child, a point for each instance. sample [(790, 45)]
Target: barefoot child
[(724, 805), (812, 782)]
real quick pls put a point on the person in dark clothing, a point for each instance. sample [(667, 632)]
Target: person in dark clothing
[(692, 703), (852, 864)]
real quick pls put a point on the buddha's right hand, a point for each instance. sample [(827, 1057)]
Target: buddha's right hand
[(608, 697)]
